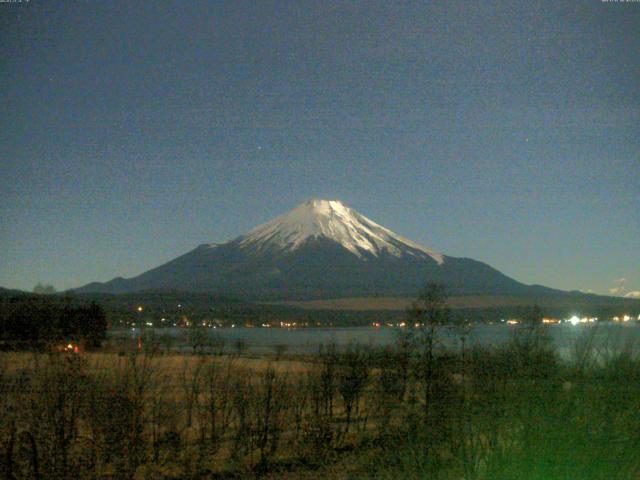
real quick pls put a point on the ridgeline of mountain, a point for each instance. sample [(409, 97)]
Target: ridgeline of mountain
[(321, 249), (11, 291)]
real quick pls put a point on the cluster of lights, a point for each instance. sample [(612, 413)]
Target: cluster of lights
[(398, 324), (208, 323), (71, 348), (575, 320)]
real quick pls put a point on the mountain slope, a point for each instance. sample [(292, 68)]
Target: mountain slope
[(321, 249)]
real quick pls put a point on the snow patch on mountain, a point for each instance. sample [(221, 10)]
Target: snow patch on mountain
[(332, 219)]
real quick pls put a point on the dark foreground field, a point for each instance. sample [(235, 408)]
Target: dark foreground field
[(407, 411)]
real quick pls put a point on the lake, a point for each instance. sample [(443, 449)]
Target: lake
[(609, 336)]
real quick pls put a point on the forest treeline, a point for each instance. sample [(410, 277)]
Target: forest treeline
[(45, 321)]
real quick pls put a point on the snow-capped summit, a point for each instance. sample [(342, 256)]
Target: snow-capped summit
[(333, 220)]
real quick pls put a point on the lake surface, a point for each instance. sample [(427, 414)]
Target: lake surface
[(606, 336)]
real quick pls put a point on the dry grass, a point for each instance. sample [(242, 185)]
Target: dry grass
[(168, 364)]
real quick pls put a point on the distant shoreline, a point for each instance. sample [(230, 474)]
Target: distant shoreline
[(462, 301)]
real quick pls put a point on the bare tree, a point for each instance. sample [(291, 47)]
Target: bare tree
[(427, 315), (353, 374), (191, 384), (215, 408)]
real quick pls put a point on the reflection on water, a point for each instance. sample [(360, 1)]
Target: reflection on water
[(605, 336)]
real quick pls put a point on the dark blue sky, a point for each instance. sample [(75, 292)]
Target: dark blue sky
[(508, 132)]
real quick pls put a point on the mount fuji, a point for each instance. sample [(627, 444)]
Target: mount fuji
[(320, 249)]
